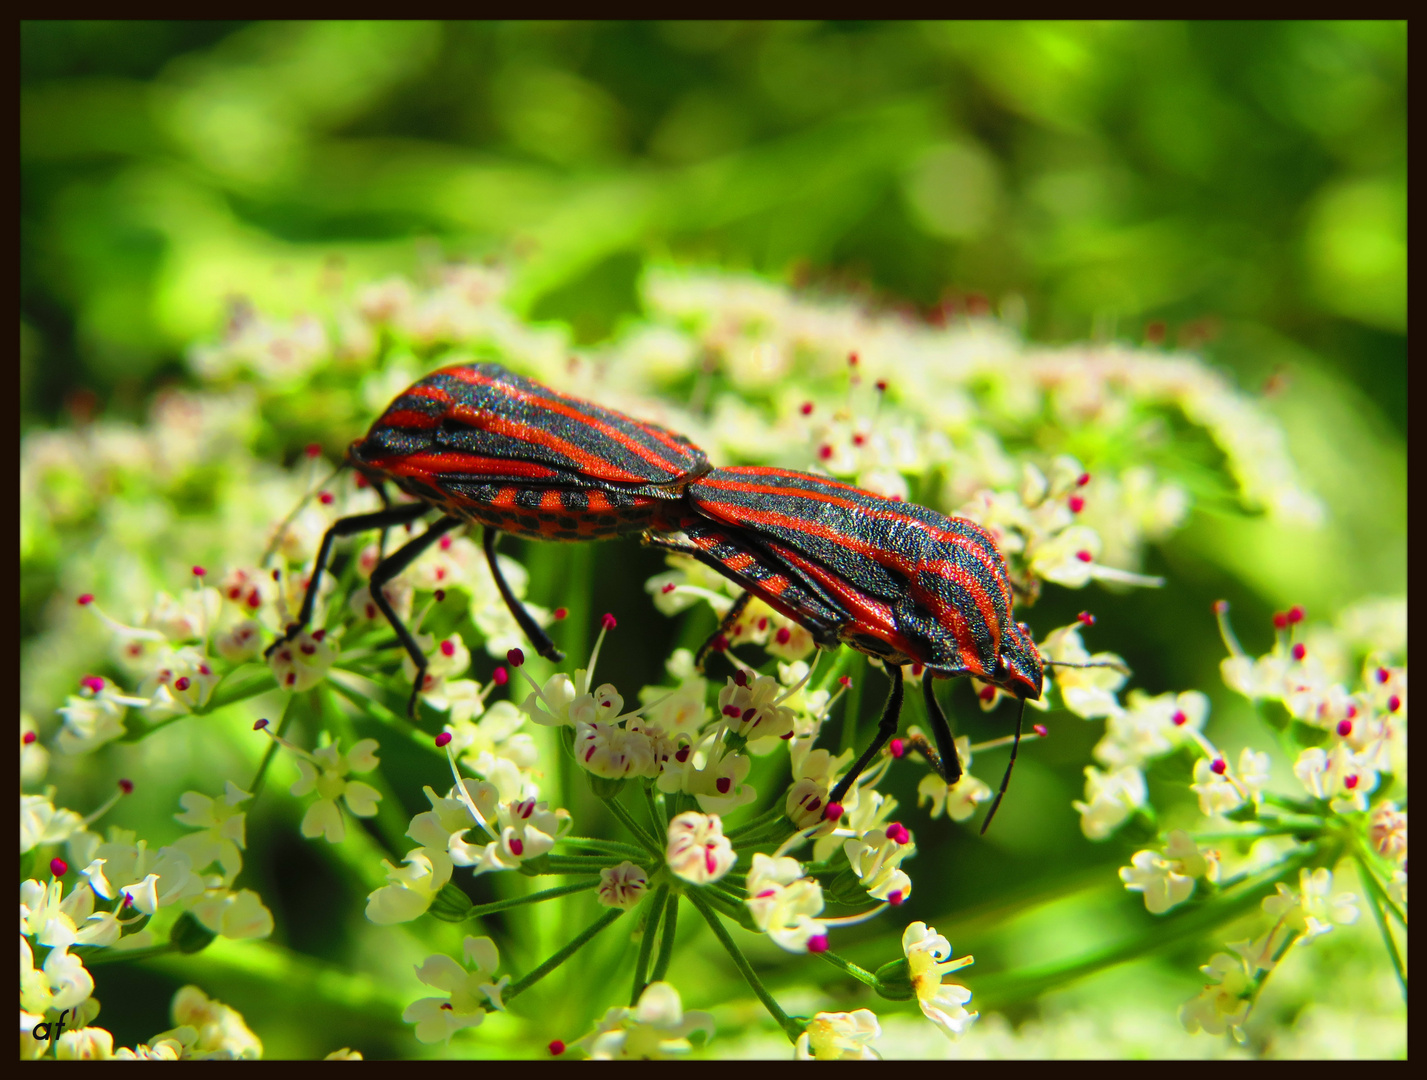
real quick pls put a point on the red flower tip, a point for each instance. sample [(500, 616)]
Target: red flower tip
[(1076, 504), (313, 449), (448, 648), (515, 657), (723, 783), (325, 498), (1040, 729), (897, 833), (720, 643), (1082, 479), (806, 408), (897, 748), (1179, 718), (987, 693), (1295, 613), (1352, 712), (825, 451), (784, 635), (1086, 619), (277, 575), (361, 481), (318, 635), (666, 590), (445, 543), (561, 613), (608, 621), (92, 683), (181, 683), (443, 739), (198, 571), (895, 898), (86, 599), (817, 944), (1218, 766), (1155, 333), (832, 812), (1221, 607), (1085, 556), (881, 386), (58, 867), (845, 681), (1394, 703), (740, 677), (556, 1048), (1350, 782), (917, 670), (126, 785), (29, 738), (859, 439), (500, 677), (1382, 673), (1280, 620), (732, 710), (852, 359), (440, 595), (258, 725), (1300, 651), (1345, 728)]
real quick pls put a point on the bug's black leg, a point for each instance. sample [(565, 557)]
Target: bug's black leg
[(537, 635), (724, 627), (1006, 778), (387, 569), (380, 488), (950, 766), (886, 728), (380, 519)]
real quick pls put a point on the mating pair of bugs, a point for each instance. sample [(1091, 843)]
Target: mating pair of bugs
[(905, 584)]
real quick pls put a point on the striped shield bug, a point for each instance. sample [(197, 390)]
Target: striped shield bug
[(891, 579), (484, 446)]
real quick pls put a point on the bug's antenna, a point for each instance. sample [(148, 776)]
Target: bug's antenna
[(292, 515), (1120, 667), (1006, 779)]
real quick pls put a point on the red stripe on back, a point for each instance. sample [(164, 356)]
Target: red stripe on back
[(438, 465)]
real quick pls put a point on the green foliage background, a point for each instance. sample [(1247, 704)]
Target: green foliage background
[(1238, 187)]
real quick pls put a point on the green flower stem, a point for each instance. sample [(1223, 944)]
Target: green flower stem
[(1376, 900), (654, 909), (257, 785), (576, 864), (852, 701), (755, 824), (790, 1027), (861, 974), (100, 957), (607, 847), (1248, 834), (579, 942), (666, 938), (646, 841), (1171, 933), (532, 898), (657, 820)]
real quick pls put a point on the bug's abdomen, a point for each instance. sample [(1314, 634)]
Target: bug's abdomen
[(480, 423), (480, 443), (917, 584)]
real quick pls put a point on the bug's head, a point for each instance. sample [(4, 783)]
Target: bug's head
[(1022, 670)]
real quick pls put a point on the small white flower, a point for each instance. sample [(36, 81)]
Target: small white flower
[(839, 1037), (928, 962), (656, 1029), (326, 773), (697, 851), (784, 903), (411, 888), (1156, 878), (1112, 798), (470, 993), (1223, 1004), (1216, 787), (622, 886)]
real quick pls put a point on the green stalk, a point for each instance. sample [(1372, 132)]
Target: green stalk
[(532, 898), (646, 841), (861, 974), (666, 940), (790, 1027), (580, 940), (655, 905), (1376, 899), (607, 847), (257, 784)]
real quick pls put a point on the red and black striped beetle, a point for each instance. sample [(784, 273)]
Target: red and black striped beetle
[(891, 579), (485, 446)]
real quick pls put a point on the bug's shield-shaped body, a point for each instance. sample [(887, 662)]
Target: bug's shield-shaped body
[(482, 444), (912, 585)]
